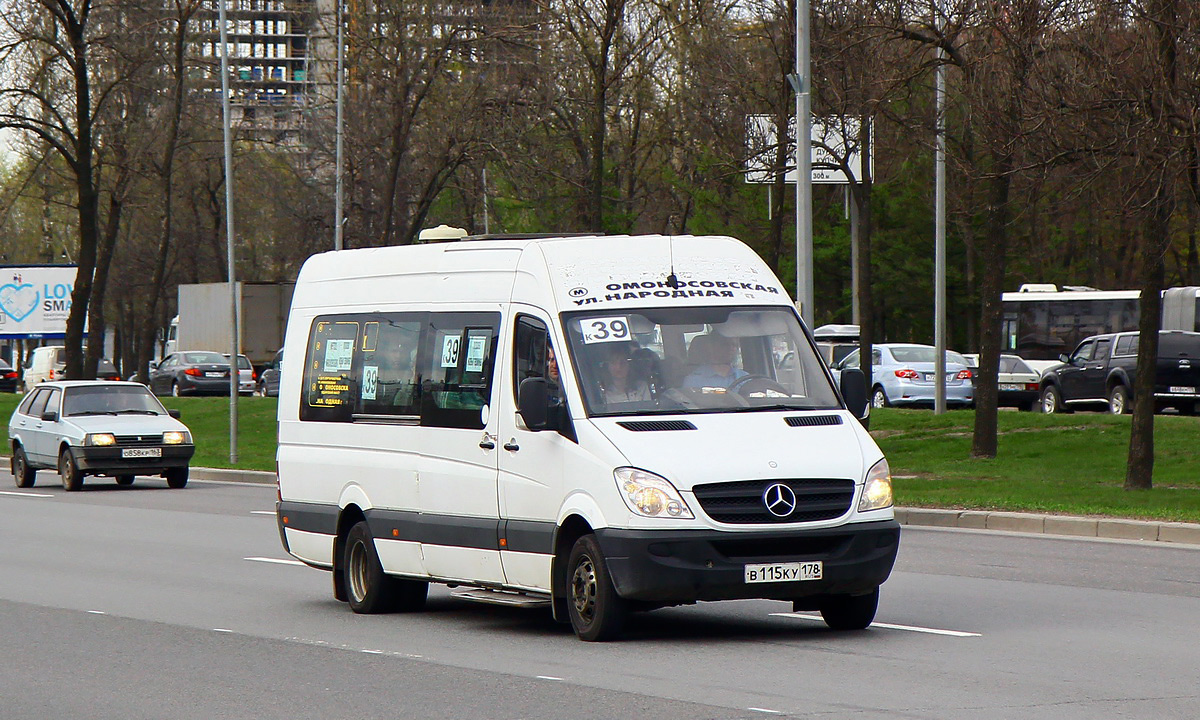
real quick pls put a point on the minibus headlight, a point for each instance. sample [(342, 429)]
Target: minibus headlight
[(877, 490), (100, 439), (649, 495), (176, 437)]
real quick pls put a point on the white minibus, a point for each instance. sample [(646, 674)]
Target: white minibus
[(598, 424)]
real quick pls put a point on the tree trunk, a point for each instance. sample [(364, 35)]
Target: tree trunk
[(991, 314), (1139, 472)]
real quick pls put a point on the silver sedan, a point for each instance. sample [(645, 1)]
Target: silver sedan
[(903, 374)]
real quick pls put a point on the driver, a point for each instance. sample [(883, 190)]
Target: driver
[(713, 355)]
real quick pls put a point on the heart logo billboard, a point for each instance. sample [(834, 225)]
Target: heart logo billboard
[(18, 301)]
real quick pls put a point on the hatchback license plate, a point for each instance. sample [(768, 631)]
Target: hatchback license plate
[(141, 452), (783, 572), (1184, 390), (1011, 386)]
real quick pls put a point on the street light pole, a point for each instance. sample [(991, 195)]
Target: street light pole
[(338, 222), (234, 375), (804, 259), (939, 252)]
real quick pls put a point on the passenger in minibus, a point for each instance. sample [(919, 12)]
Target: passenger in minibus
[(713, 356), (620, 381)]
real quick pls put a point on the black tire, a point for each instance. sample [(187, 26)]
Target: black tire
[(597, 612), (849, 612), (1118, 400), (1187, 408), (124, 479), (879, 398), (68, 470), (177, 478), (370, 590), (23, 475), (1051, 401)]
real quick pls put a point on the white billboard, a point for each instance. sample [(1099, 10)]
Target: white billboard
[(828, 144), (35, 300)]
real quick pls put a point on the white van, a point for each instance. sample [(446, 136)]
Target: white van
[(598, 424)]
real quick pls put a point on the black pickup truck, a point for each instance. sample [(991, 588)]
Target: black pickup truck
[(1102, 368)]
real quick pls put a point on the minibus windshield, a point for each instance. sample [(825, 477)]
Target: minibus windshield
[(695, 359)]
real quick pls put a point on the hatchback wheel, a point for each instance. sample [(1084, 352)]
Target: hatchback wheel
[(72, 476), (22, 473)]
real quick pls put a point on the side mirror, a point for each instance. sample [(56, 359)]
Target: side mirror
[(1063, 357), (533, 403), (854, 390), (174, 413), (50, 416), (153, 364)]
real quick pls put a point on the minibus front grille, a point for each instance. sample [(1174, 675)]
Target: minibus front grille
[(656, 425), (742, 501), (813, 420)]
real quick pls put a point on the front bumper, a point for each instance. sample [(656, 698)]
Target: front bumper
[(693, 565), (108, 461)]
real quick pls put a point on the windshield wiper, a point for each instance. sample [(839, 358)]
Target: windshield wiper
[(775, 406), (92, 412), (138, 412)]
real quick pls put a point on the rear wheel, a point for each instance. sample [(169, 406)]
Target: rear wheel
[(1118, 400), (72, 476), (124, 479), (879, 398), (849, 612), (23, 475), (597, 612), (176, 477), (175, 389), (369, 589)]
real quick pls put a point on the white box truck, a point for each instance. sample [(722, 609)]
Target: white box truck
[(204, 319)]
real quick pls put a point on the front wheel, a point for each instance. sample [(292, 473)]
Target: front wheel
[(370, 590), (176, 477), (879, 398), (849, 612), (22, 473), (124, 479), (1052, 400), (72, 476), (597, 612), (1118, 400)]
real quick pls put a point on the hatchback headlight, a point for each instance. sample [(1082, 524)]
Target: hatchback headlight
[(100, 439), (176, 437), (649, 495), (877, 490)]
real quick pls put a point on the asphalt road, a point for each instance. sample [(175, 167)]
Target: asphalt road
[(145, 602)]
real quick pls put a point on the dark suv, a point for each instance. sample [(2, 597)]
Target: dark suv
[(1101, 371)]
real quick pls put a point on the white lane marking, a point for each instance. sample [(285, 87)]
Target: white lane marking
[(548, 677), (276, 561), (24, 494), (889, 626), (765, 710), (96, 612), (263, 512), (224, 630)]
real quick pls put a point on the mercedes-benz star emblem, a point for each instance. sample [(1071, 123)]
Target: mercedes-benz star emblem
[(779, 499)]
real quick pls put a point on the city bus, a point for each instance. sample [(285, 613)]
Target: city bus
[(1043, 321)]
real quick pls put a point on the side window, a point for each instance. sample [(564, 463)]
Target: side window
[(457, 371), (1102, 347), (1126, 345), (35, 397), (876, 357), (330, 391), (851, 360), (1083, 352), (390, 383), (52, 401), (531, 352)]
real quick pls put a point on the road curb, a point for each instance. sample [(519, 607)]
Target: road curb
[(1109, 528), (1036, 523)]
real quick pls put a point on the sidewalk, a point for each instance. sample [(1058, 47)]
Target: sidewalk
[(1108, 528)]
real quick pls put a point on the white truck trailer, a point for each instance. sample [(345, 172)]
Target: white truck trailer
[(204, 319)]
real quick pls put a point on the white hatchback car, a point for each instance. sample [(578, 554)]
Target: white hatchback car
[(90, 427)]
